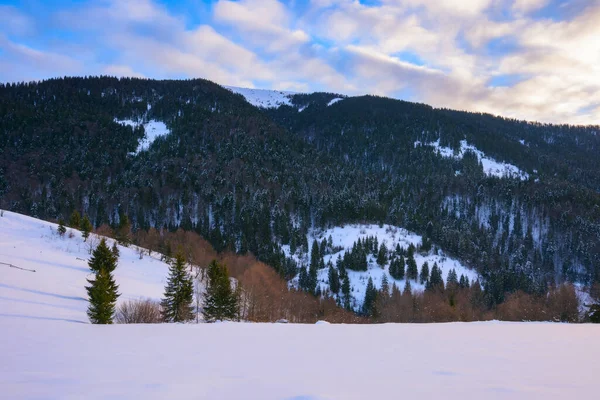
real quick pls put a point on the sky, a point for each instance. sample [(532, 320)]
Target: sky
[(537, 60)]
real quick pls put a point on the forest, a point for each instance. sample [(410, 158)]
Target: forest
[(250, 181)]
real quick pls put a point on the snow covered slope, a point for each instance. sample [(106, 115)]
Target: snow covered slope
[(48, 351), (491, 167), (344, 237), (264, 98), (56, 290)]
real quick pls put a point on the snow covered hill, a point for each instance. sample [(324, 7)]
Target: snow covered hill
[(56, 290), (49, 351), (343, 239)]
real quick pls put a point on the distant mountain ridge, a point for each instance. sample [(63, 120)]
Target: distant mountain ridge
[(256, 175)]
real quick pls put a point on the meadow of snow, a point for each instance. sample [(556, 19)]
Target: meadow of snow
[(491, 167), (344, 237), (56, 290), (49, 350), (152, 128), (60, 359), (264, 98)]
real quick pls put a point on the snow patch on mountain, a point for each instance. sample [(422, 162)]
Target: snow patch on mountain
[(153, 129), (491, 167), (263, 98), (343, 238)]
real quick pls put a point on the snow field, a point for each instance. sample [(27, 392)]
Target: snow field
[(345, 237), (491, 360), (153, 129), (264, 98), (56, 291), (491, 167)]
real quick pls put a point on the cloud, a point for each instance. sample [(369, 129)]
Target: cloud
[(530, 59), (14, 22)]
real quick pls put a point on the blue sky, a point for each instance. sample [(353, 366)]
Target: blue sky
[(530, 59)]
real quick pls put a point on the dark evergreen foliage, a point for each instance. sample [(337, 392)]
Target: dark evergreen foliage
[(75, 219), (103, 291), (251, 180), (220, 301), (85, 227), (61, 228), (370, 301), (179, 294)]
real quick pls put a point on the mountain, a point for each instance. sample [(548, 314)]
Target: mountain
[(516, 202)]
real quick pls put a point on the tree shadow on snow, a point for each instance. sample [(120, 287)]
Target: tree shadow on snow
[(59, 296), (42, 318)]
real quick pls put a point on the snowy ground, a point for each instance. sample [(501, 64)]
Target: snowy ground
[(264, 98), (345, 237), (152, 128), (58, 359), (56, 290), (49, 351), (491, 167)]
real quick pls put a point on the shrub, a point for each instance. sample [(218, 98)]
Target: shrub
[(142, 311)]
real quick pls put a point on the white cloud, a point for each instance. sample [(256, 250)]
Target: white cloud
[(437, 51)]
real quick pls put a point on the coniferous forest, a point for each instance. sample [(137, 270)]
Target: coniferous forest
[(252, 180)]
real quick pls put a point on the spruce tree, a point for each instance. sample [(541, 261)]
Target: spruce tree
[(346, 287), (424, 273), (412, 270), (368, 308), (61, 227), (220, 301), (103, 291), (75, 219), (115, 250), (85, 227), (334, 280), (452, 278), (382, 255), (407, 288), (179, 293), (435, 279), (594, 313)]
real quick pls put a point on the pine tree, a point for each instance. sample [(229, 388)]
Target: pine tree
[(179, 293), (103, 291), (334, 280), (412, 270), (220, 301), (407, 288), (85, 227), (452, 278), (346, 287), (115, 250), (385, 286), (123, 232), (594, 313), (382, 255), (435, 279), (61, 227), (424, 273), (75, 219), (368, 308)]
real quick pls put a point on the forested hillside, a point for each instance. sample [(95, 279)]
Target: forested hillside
[(259, 180)]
